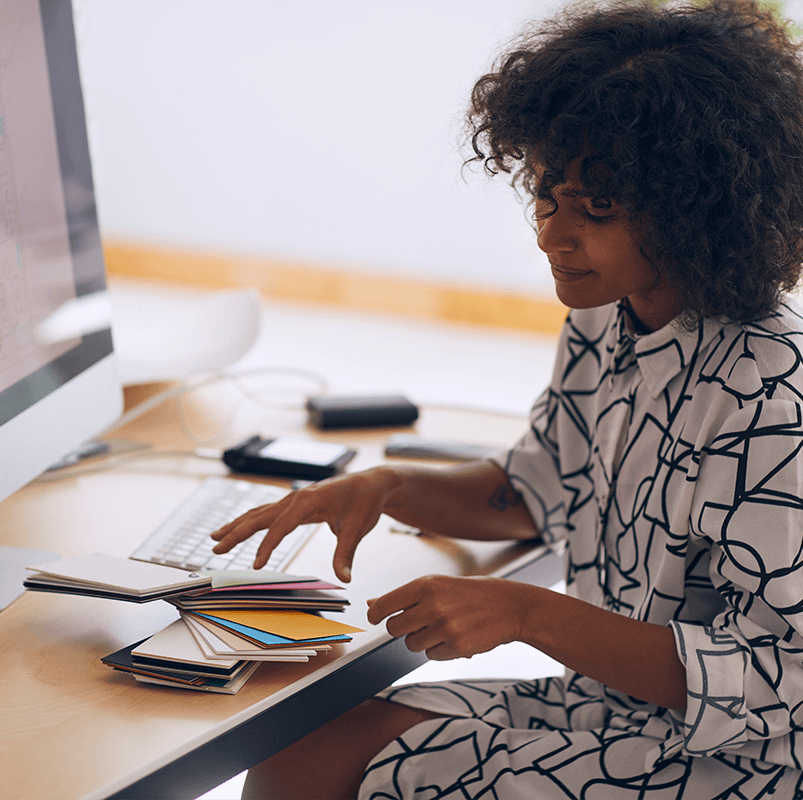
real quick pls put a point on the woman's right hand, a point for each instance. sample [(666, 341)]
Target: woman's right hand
[(350, 504)]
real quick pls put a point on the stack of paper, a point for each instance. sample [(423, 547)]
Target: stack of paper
[(171, 658), (262, 589), (140, 582), (273, 629), (219, 652), (230, 621)]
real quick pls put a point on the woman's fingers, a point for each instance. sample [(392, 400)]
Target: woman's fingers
[(449, 617), (296, 508), (400, 599), (243, 527), (349, 534), (444, 652), (275, 533), (424, 633), (350, 504), (277, 520)]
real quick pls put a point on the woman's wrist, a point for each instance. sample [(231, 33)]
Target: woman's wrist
[(395, 486)]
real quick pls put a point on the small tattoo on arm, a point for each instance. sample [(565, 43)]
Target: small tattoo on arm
[(504, 497)]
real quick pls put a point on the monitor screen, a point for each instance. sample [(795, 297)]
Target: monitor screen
[(53, 394)]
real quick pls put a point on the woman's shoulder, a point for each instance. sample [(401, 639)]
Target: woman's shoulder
[(786, 319), (778, 334), (767, 353)]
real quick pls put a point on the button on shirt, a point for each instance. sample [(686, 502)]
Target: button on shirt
[(670, 467)]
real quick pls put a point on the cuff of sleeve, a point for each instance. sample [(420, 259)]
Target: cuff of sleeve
[(523, 473), (716, 712)]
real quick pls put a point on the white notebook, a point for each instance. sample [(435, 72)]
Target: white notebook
[(109, 576)]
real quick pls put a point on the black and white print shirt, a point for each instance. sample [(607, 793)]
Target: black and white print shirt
[(670, 466)]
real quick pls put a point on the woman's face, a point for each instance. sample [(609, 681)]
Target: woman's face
[(596, 259)]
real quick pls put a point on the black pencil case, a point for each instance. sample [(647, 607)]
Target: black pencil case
[(333, 411)]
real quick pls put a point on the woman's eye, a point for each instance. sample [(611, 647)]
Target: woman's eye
[(600, 211), (595, 217)]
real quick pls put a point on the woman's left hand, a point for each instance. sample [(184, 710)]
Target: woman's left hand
[(452, 617)]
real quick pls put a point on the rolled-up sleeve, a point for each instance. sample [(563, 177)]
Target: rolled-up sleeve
[(532, 467), (533, 463), (744, 670)]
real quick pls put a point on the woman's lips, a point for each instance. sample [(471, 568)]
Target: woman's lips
[(567, 275)]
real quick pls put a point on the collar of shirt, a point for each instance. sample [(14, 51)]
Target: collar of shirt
[(662, 354)]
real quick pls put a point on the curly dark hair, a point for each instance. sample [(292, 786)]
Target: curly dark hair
[(690, 117)]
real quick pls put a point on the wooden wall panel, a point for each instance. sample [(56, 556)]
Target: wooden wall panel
[(344, 288)]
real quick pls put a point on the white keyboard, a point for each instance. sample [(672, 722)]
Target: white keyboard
[(182, 540)]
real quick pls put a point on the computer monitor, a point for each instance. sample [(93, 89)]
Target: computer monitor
[(53, 395)]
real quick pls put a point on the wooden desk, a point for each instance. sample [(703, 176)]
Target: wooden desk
[(71, 727)]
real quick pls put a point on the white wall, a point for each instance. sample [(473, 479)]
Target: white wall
[(324, 131)]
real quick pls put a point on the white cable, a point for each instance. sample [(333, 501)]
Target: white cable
[(237, 379), (195, 382), (238, 382), (179, 391)]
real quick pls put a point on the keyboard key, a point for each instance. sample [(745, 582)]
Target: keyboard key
[(216, 562)]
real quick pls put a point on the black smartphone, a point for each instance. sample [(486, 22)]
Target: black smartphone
[(285, 457)]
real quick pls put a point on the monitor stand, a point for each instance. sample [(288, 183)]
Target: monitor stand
[(13, 563)]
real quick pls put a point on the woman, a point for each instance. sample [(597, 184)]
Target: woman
[(662, 149)]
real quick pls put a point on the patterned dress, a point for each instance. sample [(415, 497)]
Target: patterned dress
[(669, 468)]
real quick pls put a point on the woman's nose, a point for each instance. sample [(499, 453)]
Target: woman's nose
[(556, 233)]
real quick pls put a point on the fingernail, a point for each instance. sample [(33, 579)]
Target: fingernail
[(347, 573)]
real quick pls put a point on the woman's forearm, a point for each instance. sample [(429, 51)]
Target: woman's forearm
[(467, 501), (628, 655), (450, 617)]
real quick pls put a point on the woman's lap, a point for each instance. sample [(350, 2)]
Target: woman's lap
[(515, 755)]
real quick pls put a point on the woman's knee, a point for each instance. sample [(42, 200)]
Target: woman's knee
[(330, 761)]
